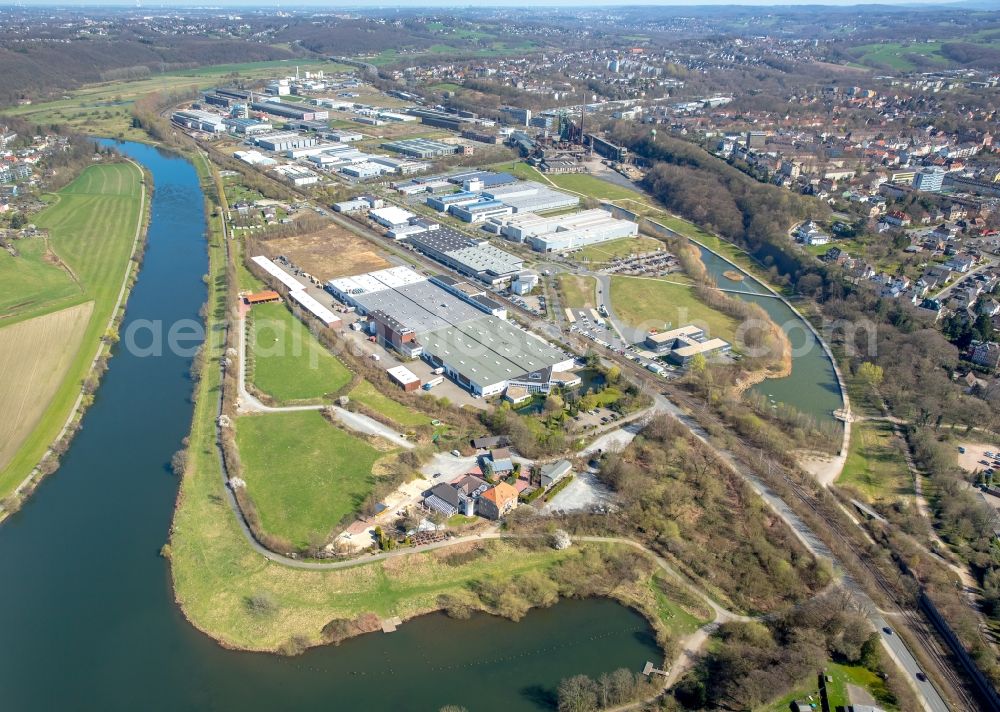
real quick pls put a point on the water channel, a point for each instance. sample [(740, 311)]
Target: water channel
[(812, 386), (87, 617)]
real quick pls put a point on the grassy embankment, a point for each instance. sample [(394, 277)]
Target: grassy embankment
[(92, 230), (366, 394), (289, 364), (216, 572)]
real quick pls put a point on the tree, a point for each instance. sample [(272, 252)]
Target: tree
[(872, 374), (577, 694), (614, 374)]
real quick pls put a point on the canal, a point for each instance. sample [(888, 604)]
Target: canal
[(87, 617), (812, 387)]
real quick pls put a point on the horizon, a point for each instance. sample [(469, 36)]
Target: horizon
[(465, 5)]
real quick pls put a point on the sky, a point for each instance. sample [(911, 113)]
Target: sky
[(384, 4)]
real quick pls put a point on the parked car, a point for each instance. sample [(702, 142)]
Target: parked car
[(456, 453)]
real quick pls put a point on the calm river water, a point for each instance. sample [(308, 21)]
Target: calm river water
[(87, 618), (812, 387)]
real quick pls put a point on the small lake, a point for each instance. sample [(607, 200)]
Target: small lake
[(87, 616)]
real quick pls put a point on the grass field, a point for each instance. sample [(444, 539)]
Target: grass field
[(303, 473), (577, 290), (368, 395), (593, 187), (653, 303), (843, 675), (623, 247), (288, 363), (30, 352), (92, 228), (874, 464)]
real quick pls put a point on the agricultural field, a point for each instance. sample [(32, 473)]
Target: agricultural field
[(303, 473), (366, 394), (289, 364), (33, 281), (92, 228), (332, 252), (875, 465), (577, 290), (655, 303), (896, 55), (30, 352)]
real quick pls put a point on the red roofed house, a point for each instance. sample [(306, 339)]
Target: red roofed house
[(498, 501)]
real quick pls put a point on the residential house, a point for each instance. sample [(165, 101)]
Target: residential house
[(498, 463), (897, 218), (498, 501), (985, 353)]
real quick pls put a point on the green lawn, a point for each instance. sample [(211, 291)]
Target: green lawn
[(836, 689), (92, 228), (653, 303), (623, 247), (303, 473), (577, 290), (594, 187), (367, 394), (289, 364), (874, 464)]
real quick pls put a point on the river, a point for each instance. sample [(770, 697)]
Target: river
[(87, 617), (812, 387)]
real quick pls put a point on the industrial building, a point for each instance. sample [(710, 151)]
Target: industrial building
[(391, 216), (249, 127), (440, 119), (404, 378), (284, 141), (421, 147), (472, 294), (480, 210), (529, 196), (199, 120), (605, 148), (472, 257), (296, 175), (684, 343), (418, 316), (564, 232), (290, 111)]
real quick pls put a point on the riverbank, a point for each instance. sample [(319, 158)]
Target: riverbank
[(41, 450)]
